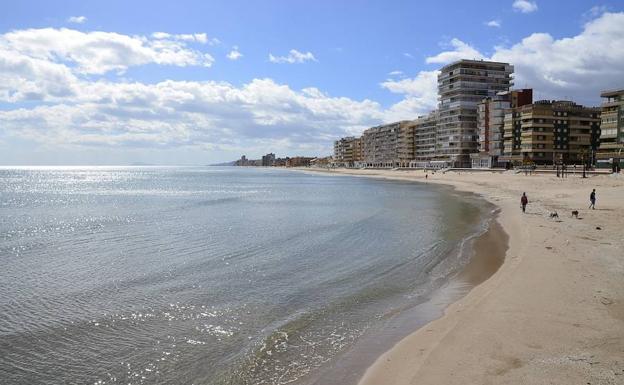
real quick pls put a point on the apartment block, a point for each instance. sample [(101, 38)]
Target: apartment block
[(424, 140), (325, 161), (348, 151), (405, 144), (243, 161), (268, 160), (462, 85), (611, 150), (548, 132), (298, 161), (389, 145), (490, 125)]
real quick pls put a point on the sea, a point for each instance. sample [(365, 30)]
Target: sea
[(216, 275)]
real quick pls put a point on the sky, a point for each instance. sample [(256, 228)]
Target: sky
[(200, 82)]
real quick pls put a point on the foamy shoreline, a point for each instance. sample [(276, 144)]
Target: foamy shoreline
[(553, 312)]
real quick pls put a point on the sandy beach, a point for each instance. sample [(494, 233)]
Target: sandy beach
[(554, 311)]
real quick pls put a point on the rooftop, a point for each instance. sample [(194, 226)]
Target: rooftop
[(472, 62), (611, 93)]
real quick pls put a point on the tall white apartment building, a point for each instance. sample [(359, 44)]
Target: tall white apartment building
[(462, 85)]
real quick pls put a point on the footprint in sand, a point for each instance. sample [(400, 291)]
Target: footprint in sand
[(606, 301)]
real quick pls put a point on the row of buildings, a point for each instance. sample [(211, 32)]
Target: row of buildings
[(269, 160), (482, 122)]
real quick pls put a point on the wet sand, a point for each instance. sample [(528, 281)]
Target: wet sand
[(554, 311), (486, 256), (489, 255)]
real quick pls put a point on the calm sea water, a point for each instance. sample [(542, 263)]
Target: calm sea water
[(161, 275)]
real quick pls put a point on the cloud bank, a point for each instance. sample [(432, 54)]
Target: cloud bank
[(98, 52), (62, 88)]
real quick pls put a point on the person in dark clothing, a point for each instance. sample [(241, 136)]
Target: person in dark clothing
[(592, 200), (524, 201)]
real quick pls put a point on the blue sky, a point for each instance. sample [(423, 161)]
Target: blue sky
[(121, 82)]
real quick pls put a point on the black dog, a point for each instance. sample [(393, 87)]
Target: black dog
[(554, 215), (575, 214)]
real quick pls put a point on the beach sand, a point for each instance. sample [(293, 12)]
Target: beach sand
[(554, 311)]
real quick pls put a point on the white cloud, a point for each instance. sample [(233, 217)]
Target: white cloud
[(396, 73), (524, 6), (575, 67), (77, 19), (201, 38), (493, 23), (174, 114), (34, 79), (100, 52), (293, 56), (460, 50), (408, 55), (594, 12), (421, 95), (161, 35), (55, 66), (234, 54)]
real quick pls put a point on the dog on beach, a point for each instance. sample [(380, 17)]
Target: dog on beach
[(575, 214), (554, 215)]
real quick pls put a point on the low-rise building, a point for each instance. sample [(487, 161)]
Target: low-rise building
[(611, 150), (347, 151), (325, 161), (548, 132), (298, 161)]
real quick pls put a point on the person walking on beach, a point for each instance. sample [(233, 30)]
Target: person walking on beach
[(592, 200), (524, 201)]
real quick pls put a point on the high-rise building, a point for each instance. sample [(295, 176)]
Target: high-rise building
[(548, 132), (611, 150), (389, 145), (461, 86), (243, 161), (425, 139), (405, 144), (358, 156), (490, 125), (340, 149), (268, 160)]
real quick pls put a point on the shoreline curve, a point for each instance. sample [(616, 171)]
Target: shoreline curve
[(553, 312)]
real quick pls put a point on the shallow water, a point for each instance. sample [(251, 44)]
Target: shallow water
[(210, 275)]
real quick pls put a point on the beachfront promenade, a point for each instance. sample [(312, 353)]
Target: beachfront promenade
[(552, 314)]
